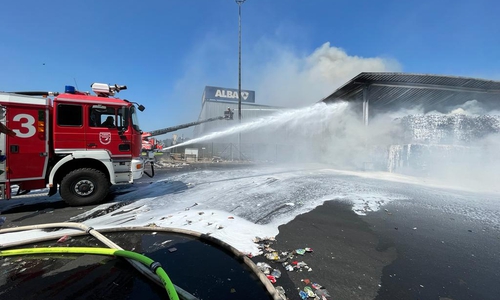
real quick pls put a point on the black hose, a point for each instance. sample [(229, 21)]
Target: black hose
[(152, 171), (35, 93)]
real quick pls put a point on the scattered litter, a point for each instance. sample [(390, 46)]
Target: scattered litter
[(316, 286), (63, 239), (414, 228), (2, 220), (276, 273), (271, 278), (259, 239), (303, 295), (189, 207), (301, 264), (306, 281), (220, 227), (289, 268), (167, 241), (230, 218), (300, 251), (233, 291), (200, 213), (322, 293), (309, 291), (272, 256), (308, 249), (173, 249), (264, 267), (281, 292)]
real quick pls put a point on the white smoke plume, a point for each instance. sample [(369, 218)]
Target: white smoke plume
[(280, 74), (289, 79)]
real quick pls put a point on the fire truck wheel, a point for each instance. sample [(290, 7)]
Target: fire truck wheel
[(84, 186)]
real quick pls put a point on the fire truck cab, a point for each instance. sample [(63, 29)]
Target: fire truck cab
[(80, 143)]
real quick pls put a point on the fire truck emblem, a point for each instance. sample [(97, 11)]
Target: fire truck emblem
[(105, 137)]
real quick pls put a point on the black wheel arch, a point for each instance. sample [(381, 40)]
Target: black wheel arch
[(79, 164)]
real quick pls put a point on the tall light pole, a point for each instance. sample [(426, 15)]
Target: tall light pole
[(239, 2)]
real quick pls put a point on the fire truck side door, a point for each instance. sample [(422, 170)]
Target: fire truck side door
[(104, 135), (27, 152)]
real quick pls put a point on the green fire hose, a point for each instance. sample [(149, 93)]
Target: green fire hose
[(154, 266)]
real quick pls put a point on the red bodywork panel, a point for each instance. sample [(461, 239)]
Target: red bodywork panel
[(28, 151), (87, 136)]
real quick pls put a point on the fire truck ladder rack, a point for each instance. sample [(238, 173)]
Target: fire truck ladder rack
[(175, 128)]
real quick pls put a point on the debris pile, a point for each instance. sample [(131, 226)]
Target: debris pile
[(315, 291), (291, 261)]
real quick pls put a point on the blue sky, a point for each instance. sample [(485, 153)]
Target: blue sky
[(294, 52)]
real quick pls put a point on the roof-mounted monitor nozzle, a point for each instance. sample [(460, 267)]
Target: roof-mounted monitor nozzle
[(106, 90)]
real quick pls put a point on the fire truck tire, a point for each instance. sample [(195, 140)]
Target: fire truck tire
[(84, 186)]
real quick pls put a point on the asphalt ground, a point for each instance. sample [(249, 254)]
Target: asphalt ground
[(410, 249)]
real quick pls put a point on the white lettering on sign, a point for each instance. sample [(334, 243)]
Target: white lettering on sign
[(231, 94), (28, 124), (105, 137)]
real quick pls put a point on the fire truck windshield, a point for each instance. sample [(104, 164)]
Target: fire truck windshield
[(135, 119)]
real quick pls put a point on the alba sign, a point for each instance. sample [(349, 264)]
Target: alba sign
[(226, 94)]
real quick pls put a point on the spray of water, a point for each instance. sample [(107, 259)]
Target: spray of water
[(306, 117)]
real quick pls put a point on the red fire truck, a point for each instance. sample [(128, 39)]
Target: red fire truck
[(150, 143), (74, 141)]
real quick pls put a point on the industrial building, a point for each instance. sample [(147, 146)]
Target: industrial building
[(254, 144)]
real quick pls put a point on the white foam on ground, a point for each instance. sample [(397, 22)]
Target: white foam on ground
[(234, 205), (237, 205)]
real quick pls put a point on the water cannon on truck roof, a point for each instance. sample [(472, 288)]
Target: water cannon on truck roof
[(106, 90)]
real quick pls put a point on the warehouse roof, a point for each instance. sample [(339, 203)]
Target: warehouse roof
[(433, 92)]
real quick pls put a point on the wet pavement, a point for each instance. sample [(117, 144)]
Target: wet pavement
[(412, 249), (435, 244)]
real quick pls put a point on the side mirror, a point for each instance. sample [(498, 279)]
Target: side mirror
[(141, 107)]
